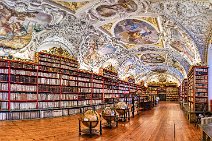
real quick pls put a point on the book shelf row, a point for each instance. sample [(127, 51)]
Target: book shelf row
[(54, 82), (198, 88)]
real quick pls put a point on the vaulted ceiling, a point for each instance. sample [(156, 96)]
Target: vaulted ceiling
[(147, 39)]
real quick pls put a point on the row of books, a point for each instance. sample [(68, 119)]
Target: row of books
[(50, 64), (65, 104), (4, 63), (47, 58), (3, 105), (69, 72), (23, 79), (201, 81), (22, 105), (97, 81), (85, 90), (97, 96), (202, 77), (83, 84), (3, 96), (84, 102), (201, 94), (19, 115), (70, 111), (202, 85), (49, 81), (69, 89), (201, 90), (69, 96), (3, 77), (84, 96), (201, 70), (48, 74), (201, 73), (85, 75), (69, 66), (4, 71), (49, 88), (97, 90), (200, 100), (49, 69), (24, 72), (23, 96), (69, 78), (46, 105), (21, 87), (84, 79), (22, 65), (98, 85)]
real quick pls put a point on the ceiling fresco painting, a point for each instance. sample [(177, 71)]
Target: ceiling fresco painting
[(127, 6), (182, 44), (152, 58), (147, 39), (135, 31), (178, 66), (71, 5), (17, 27)]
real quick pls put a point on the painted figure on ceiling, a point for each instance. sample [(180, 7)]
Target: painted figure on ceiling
[(182, 44), (134, 31), (16, 27), (127, 6), (152, 58)]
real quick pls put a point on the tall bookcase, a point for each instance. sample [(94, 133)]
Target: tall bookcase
[(197, 90), (184, 91), (111, 83), (172, 93), (4, 84), (53, 86)]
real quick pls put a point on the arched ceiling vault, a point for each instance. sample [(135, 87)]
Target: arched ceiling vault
[(148, 39)]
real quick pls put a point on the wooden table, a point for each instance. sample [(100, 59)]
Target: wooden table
[(207, 132)]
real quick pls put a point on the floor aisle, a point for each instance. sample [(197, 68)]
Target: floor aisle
[(154, 125)]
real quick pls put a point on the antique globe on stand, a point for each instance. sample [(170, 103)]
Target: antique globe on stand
[(109, 114), (120, 107), (90, 118)]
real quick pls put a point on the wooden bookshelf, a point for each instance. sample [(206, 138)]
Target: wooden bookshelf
[(54, 86), (198, 88), (197, 91), (172, 93), (166, 91), (184, 91)]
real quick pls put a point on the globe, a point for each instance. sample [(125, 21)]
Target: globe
[(120, 107), (90, 118), (109, 114)]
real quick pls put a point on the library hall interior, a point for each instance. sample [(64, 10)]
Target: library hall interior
[(105, 70)]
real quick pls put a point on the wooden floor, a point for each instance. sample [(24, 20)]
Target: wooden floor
[(154, 125)]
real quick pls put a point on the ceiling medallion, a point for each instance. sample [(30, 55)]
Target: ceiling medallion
[(135, 31)]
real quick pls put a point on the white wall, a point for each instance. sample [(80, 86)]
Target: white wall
[(210, 75)]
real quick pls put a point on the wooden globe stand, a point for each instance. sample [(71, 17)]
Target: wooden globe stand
[(90, 129), (124, 114), (110, 119)]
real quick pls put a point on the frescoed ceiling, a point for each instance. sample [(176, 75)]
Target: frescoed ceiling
[(147, 39)]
